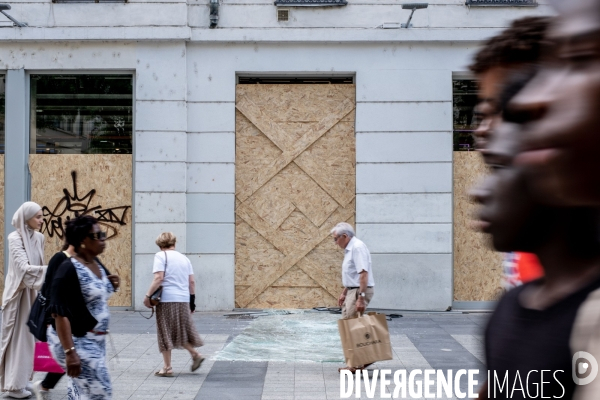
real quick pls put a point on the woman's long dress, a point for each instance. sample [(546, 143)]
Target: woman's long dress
[(94, 381), (17, 344)]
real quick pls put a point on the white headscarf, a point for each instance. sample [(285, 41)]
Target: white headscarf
[(33, 246)]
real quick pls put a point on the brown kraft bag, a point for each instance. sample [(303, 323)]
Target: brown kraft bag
[(365, 339)]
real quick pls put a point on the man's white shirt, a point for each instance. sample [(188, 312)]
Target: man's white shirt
[(357, 258)]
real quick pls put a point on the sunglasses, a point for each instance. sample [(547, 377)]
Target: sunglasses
[(97, 235)]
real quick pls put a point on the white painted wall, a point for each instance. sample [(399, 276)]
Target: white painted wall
[(254, 20), (185, 118), (404, 148)]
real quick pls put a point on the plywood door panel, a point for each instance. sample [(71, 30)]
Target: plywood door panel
[(101, 187), (295, 179), (477, 268)]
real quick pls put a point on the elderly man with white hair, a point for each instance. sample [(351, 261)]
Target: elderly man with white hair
[(357, 276)]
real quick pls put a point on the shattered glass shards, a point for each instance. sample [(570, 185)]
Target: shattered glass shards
[(294, 336)]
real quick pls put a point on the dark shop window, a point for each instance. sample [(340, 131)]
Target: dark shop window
[(81, 114), (464, 98)]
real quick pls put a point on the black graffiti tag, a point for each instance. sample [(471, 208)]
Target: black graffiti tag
[(71, 204)]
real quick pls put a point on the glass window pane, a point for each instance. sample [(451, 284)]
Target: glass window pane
[(464, 94), (81, 114)]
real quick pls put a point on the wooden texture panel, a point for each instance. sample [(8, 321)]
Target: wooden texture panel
[(477, 268), (2, 223), (101, 187), (295, 179)]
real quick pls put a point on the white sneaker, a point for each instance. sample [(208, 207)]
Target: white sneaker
[(29, 386), (40, 394), (19, 394)]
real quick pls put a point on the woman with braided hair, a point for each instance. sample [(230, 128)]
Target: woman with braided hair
[(79, 306)]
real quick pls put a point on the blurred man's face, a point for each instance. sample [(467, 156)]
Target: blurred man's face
[(491, 84), (560, 111), (507, 211)]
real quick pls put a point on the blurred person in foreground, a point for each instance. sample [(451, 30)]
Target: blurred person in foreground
[(533, 325), (357, 276), (174, 324), (513, 54), (559, 110), (79, 305)]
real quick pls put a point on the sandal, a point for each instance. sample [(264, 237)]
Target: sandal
[(165, 372), (197, 362)]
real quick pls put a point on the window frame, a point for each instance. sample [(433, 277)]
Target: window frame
[(119, 71)]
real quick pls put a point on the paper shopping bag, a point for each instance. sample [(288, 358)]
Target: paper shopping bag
[(365, 339), (43, 360)]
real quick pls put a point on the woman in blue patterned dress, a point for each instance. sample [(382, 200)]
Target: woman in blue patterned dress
[(79, 305)]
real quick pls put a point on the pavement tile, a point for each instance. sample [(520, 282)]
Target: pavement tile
[(417, 341)]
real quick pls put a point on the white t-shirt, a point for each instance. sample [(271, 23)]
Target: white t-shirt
[(176, 284)]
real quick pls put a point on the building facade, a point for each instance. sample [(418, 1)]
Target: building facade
[(166, 121)]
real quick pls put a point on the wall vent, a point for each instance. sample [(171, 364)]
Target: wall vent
[(283, 15)]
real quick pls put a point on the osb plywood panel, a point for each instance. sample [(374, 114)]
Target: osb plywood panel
[(1, 223), (96, 184), (295, 179), (477, 268)]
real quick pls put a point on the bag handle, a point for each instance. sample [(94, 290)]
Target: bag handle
[(151, 315)]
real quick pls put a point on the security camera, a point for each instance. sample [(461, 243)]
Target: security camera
[(4, 7)]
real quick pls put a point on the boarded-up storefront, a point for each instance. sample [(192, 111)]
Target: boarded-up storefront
[(80, 162), (295, 179), (477, 268), (97, 185)]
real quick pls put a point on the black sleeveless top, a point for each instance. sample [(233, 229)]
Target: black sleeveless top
[(520, 341)]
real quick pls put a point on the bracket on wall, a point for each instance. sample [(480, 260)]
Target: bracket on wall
[(412, 7), (502, 3), (4, 7), (310, 3)]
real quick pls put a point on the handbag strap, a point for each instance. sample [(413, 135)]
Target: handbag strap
[(145, 316), (166, 263)]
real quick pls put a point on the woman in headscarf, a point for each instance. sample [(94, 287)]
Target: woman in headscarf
[(24, 277)]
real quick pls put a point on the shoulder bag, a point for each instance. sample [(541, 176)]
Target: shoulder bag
[(155, 297), (38, 316)]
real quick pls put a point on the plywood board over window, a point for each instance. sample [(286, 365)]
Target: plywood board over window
[(96, 184), (477, 268), (295, 179)]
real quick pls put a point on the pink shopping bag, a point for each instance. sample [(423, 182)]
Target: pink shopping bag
[(43, 360)]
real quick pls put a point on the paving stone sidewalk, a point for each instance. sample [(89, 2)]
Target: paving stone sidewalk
[(419, 340)]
